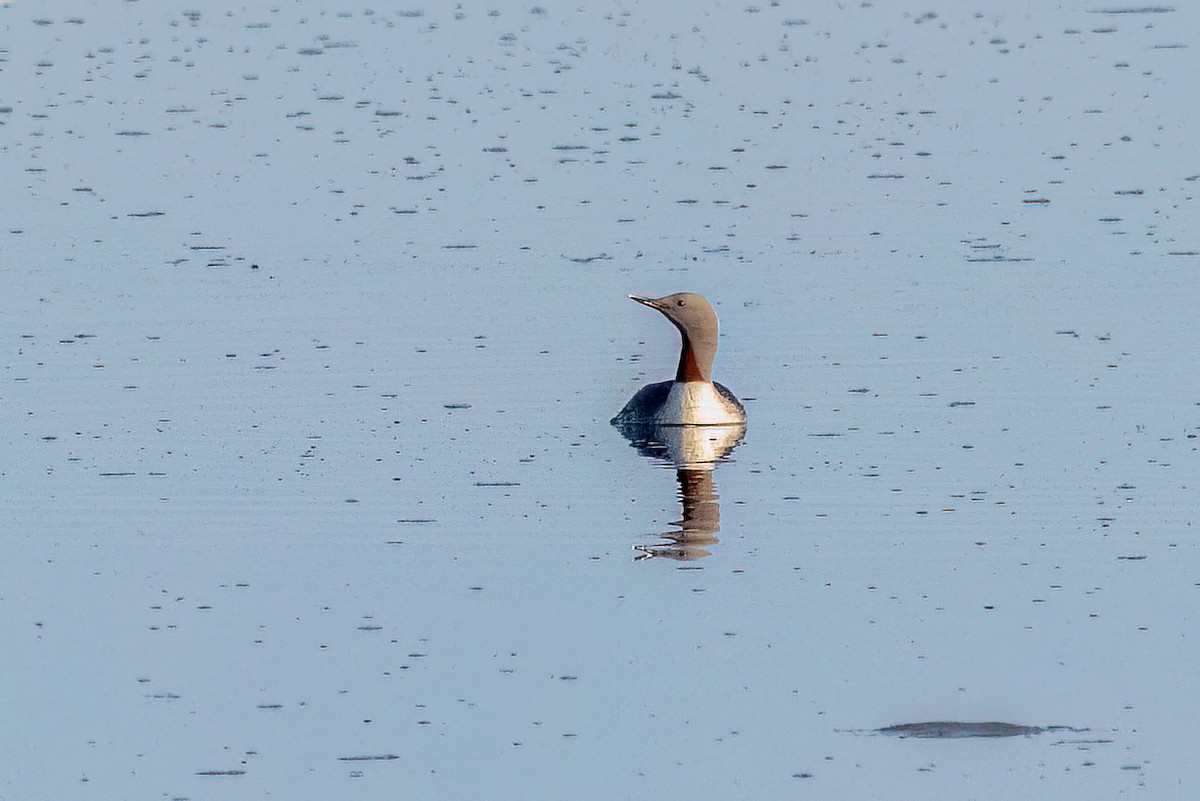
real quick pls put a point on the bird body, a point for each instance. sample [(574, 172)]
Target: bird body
[(693, 398)]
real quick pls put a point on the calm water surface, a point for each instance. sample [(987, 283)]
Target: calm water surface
[(316, 319)]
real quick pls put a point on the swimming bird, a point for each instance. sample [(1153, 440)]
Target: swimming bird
[(693, 398)]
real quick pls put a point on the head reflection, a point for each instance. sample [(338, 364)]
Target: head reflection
[(694, 451)]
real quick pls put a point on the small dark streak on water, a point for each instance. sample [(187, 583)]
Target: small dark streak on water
[(416, 520), (270, 706), (369, 758), (946, 730), (107, 475), (1141, 10), (1138, 558), (497, 483), (459, 247), (220, 773)]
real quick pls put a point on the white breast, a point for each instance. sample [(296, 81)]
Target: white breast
[(696, 403)]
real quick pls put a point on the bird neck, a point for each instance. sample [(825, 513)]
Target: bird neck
[(696, 359)]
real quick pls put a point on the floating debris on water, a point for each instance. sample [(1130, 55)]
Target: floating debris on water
[(951, 730)]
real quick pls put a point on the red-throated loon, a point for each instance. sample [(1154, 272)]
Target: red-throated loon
[(693, 398)]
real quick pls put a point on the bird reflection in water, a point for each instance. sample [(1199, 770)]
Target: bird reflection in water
[(694, 452)]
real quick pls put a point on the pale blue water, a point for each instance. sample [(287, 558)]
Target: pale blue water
[(315, 319)]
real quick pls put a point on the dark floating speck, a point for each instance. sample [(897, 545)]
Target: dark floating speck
[(220, 773), (1140, 10), (369, 758), (950, 730)]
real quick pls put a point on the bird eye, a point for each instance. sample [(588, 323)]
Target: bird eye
[(681, 302)]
